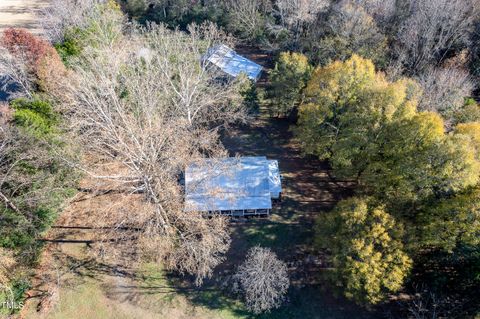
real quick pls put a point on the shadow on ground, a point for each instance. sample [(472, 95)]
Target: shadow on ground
[(309, 190)]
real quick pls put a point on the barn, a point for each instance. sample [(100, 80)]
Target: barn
[(233, 186)]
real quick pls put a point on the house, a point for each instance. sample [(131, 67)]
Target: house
[(233, 186), (232, 63)]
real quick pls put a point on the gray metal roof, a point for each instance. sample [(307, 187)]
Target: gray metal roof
[(232, 184), (232, 63)]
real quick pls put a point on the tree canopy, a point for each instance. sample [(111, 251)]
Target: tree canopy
[(370, 131), (288, 79), (367, 250)]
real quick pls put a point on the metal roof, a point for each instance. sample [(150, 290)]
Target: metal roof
[(232, 63), (232, 184)]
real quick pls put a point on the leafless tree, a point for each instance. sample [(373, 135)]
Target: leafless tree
[(445, 90), (297, 15), (63, 15), (263, 280), (294, 12), (15, 76), (5, 116), (381, 10), (149, 104), (424, 308), (247, 16), (348, 29), (433, 29), (424, 304)]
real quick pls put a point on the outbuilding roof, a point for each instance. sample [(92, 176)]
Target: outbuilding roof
[(232, 63), (245, 183)]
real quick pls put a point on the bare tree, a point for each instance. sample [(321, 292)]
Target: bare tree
[(433, 29), (247, 17), (263, 280), (5, 116), (422, 307), (16, 78), (63, 15), (149, 104), (425, 304), (382, 10), (295, 12), (297, 15), (348, 29), (445, 90)]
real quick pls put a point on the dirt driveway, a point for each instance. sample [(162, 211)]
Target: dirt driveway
[(21, 14)]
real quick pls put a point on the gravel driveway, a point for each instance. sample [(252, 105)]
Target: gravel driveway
[(21, 14)]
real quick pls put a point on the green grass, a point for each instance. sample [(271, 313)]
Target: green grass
[(149, 296)]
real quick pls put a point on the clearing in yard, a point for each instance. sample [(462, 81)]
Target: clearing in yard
[(110, 289)]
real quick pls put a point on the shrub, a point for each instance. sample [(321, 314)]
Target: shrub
[(15, 231), (71, 45), (6, 263), (36, 116), (249, 93), (40, 58)]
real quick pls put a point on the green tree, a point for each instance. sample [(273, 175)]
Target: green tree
[(288, 79), (369, 130), (35, 181), (328, 93), (414, 159), (472, 131), (469, 113), (451, 223), (346, 105), (367, 253)]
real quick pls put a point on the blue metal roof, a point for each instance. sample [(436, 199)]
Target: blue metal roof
[(232, 63), (231, 184)]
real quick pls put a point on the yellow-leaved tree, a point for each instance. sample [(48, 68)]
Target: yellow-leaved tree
[(365, 241), (370, 131), (288, 79)]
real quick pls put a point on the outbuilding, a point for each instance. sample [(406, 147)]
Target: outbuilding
[(232, 63), (233, 186)]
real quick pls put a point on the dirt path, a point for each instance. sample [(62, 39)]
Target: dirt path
[(21, 14)]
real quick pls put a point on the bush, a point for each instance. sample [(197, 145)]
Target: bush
[(36, 116), (13, 296), (15, 231), (71, 45), (469, 113), (248, 90), (41, 60), (7, 262)]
